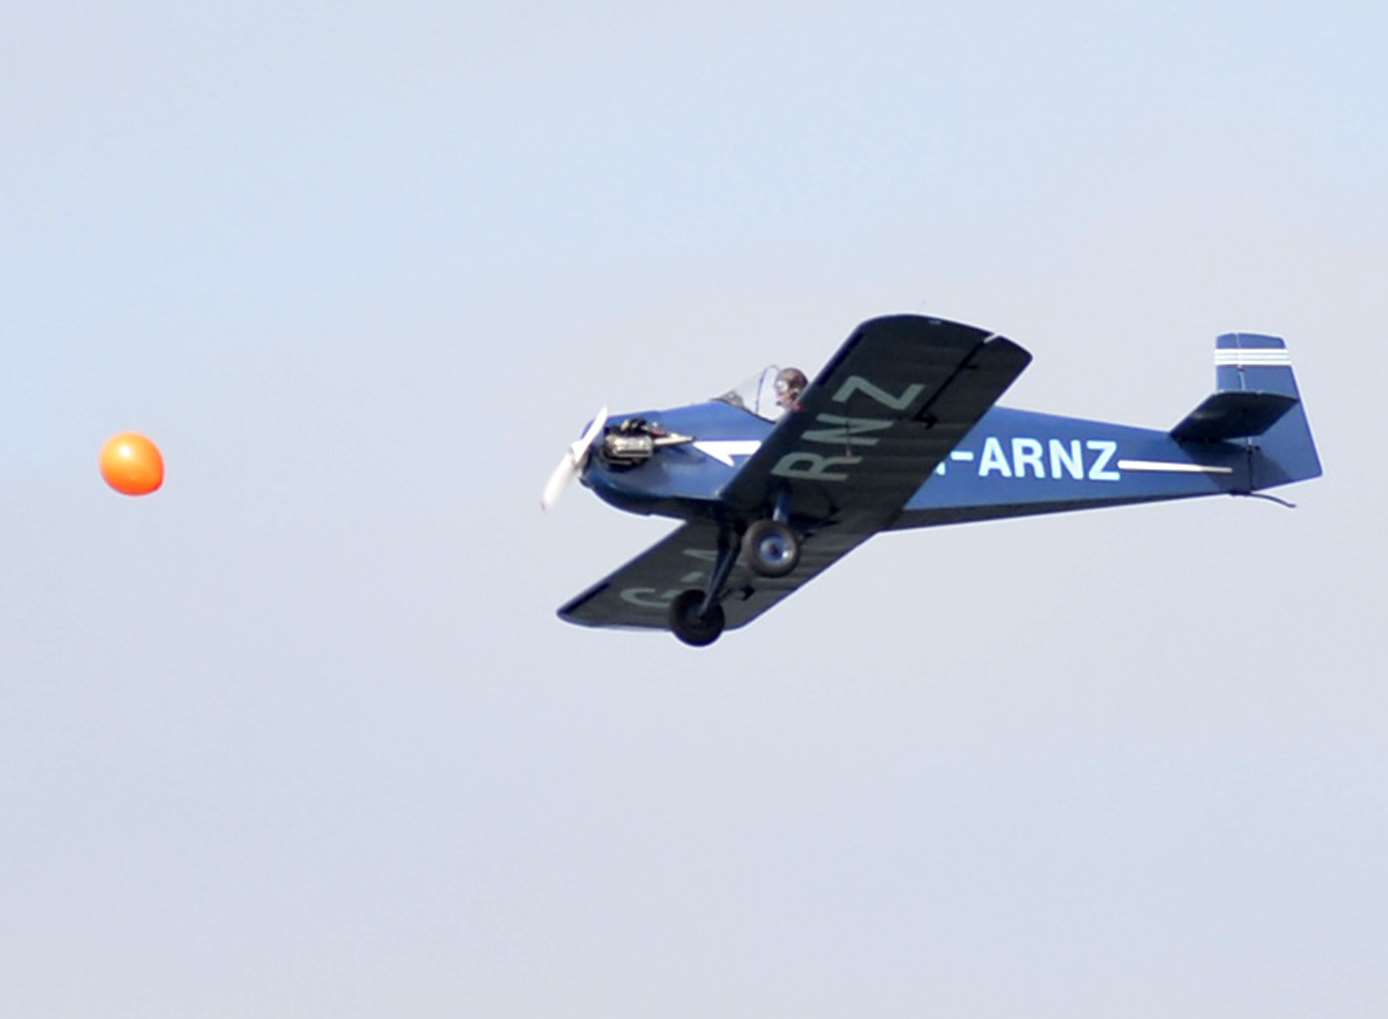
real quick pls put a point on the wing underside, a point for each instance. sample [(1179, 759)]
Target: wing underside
[(638, 594)]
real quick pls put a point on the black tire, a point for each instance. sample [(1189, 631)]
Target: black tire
[(690, 627), (771, 548)]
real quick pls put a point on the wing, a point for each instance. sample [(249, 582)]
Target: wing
[(900, 394), (638, 595), (896, 398)]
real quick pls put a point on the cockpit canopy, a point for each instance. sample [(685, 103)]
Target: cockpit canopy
[(757, 394)]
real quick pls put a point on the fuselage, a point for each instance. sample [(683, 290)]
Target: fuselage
[(1012, 463)]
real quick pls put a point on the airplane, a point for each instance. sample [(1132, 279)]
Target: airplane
[(899, 430)]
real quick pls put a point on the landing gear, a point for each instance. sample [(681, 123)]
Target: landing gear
[(771, 548), (692, 623), (695, 616)]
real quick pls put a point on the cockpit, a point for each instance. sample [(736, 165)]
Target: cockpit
[(769, 393)]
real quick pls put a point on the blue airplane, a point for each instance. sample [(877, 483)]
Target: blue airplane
[(779, 478)]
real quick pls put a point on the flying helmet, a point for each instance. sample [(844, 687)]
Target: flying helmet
[(790, 383)]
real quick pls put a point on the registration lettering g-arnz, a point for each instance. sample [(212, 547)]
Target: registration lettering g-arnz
[(841, 431)]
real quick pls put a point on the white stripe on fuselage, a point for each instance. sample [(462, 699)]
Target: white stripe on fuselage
[(723, 450), (1171, 468)]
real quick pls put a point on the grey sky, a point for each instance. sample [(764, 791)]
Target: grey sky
[(300, 734)]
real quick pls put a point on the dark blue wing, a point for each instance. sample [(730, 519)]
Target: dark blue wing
[(888, 407)]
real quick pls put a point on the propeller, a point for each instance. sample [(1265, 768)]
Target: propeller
[(571, 465)]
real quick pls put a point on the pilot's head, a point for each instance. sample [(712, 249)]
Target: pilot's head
[(790, 383)]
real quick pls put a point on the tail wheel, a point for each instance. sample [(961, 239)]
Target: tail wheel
[(771, 548), (689, 626)]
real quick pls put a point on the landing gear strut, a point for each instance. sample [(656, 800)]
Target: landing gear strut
[(696, 618)]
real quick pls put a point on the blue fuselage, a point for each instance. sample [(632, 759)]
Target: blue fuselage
[(1012, 463)]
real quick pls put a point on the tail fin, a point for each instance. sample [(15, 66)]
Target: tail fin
[(1256, 399)]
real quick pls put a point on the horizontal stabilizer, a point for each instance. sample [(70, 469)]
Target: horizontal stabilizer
[(1233, 414)]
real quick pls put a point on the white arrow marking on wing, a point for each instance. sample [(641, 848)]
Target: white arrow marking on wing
[(724, 450)]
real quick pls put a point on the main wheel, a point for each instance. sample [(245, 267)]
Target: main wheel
[(690, 627), (771, 548)]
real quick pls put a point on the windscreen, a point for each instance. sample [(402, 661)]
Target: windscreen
[(757, 395)]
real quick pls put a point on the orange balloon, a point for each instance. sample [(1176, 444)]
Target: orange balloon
[(131, 464)]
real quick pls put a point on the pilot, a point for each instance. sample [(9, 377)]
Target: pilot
[(790, 383)]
